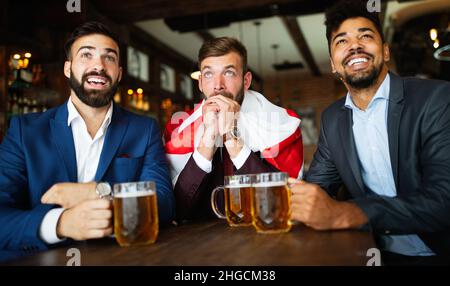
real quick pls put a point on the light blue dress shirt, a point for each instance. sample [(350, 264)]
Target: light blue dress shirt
[(372, 146)]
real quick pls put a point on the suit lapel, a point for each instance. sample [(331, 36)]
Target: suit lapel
[(61, 134), (393, 121), (113, 138), (348, 142)]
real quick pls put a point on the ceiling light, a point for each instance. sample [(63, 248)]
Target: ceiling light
[(195, 75), (436, 44), (443, 54), (433, 34)]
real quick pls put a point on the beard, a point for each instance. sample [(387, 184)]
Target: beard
[(92, 97), (362, 79), (239, 97)]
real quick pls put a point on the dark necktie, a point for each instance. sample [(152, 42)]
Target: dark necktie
[(227, 163)]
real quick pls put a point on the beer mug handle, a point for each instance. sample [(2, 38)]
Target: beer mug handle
[(214, 204)]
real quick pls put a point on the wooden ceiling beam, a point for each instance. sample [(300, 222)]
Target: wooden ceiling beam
[(205, 35), (139, 10), (293, 27)]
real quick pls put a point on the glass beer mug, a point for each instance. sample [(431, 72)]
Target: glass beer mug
[(237, 193), (271, 209), (135, 213)]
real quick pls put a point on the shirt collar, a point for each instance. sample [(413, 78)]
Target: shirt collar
[(74, 114), (382, 92)]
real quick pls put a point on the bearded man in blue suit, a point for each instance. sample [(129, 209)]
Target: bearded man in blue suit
[(52, 163)]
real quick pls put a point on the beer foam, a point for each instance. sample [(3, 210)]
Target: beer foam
[(269, 184), (238, 186), (135, 194)]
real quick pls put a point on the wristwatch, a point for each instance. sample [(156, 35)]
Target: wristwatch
[(233, 133), (103, 189)]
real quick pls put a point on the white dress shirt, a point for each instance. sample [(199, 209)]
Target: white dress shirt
[(87, 151), (206, 165)]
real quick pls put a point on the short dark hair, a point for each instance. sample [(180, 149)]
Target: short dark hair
[(221, 46), (346, 9), (88, 28)]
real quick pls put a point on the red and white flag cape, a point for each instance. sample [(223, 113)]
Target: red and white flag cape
[(264, 127)]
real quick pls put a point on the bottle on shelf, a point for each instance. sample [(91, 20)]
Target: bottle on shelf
[(14, 105), (27, 90), (34, 106)]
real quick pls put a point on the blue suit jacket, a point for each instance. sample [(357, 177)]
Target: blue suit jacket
[(38, 151)]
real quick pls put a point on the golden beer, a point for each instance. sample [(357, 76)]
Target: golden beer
[(238, 205), (271, 208), (238, 200), (136, 218)]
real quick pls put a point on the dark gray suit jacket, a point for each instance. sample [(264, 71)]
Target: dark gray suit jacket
[(418, 127)]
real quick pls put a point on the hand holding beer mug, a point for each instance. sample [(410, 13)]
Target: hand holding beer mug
[(271, 203), (237, 192), (135, 213)]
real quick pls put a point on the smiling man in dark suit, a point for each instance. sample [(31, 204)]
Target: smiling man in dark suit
[(51, 163), (387, 141)]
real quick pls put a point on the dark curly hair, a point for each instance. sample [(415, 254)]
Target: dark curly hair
[(346, 9)]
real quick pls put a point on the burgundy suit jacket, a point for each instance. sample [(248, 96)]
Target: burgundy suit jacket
[(194, 186)]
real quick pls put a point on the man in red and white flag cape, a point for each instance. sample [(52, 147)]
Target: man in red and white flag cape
[(259, 136)]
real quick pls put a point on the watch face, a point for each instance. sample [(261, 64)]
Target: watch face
[(104, 189), (235, 132)]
